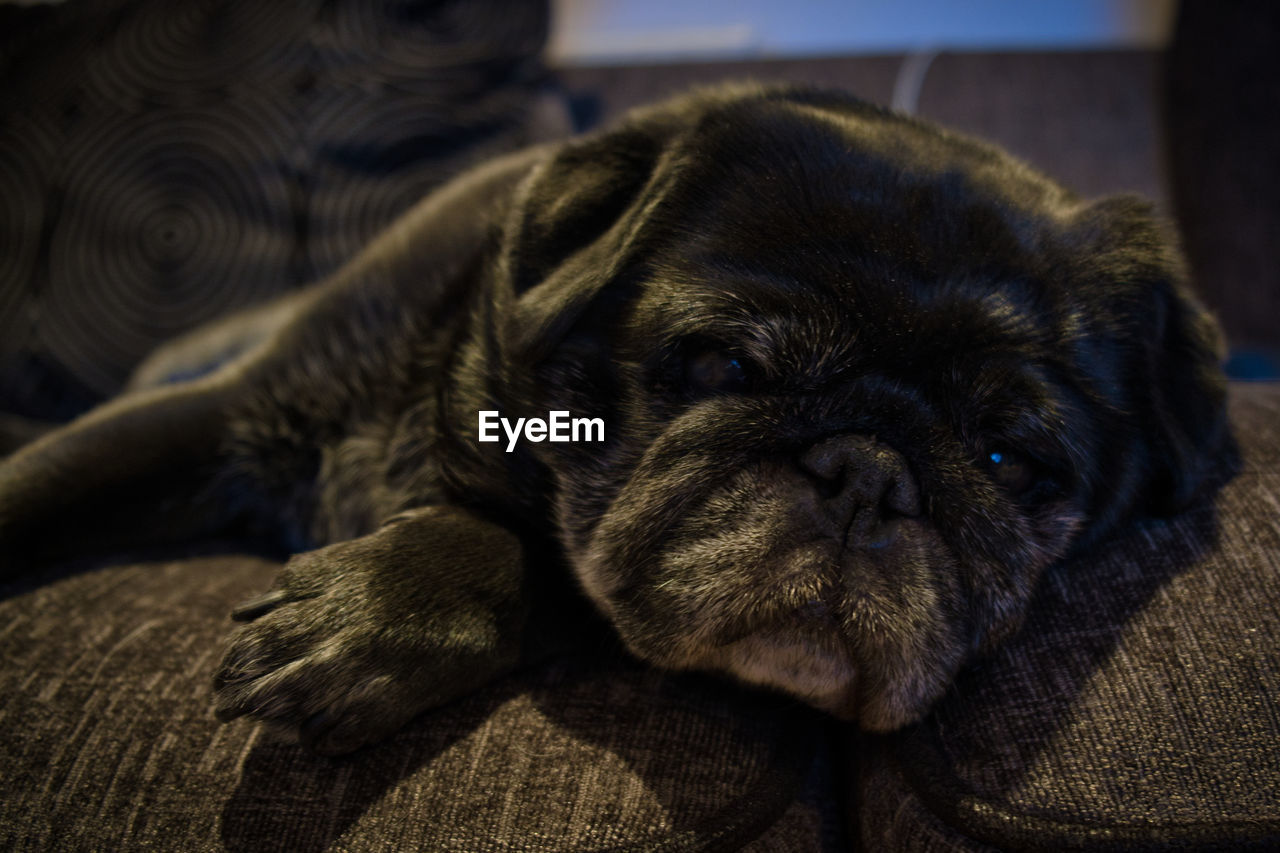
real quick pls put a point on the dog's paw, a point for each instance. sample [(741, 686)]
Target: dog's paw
[(350, 645), (307, 665)]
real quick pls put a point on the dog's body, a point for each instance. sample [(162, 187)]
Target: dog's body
[(861, 381)]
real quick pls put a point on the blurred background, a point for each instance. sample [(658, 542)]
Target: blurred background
[(164, 163), (612, 32)]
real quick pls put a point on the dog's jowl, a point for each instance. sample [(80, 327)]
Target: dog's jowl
[(863, 379)]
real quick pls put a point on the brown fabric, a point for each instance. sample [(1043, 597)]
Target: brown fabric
[(1138, 708), (109, 743)]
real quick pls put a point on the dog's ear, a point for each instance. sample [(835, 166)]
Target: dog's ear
[(575, 198), (1187, 398), (572, 229), (1175, 348)]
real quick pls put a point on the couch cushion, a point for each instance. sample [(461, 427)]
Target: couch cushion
[(1140, 706), (110, 744)]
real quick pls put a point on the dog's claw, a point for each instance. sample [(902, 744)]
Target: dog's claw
[(249, 610), (228, 707), (228, 711)]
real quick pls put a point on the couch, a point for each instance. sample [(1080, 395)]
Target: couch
[(1138, 709)]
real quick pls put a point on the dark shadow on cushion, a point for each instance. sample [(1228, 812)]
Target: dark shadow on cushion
[(1136, 710), (289, 799)]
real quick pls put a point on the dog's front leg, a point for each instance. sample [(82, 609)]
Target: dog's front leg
[(358, 637), (139, 469)]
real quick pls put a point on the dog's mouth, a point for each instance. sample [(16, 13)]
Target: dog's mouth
[(801, 649), (802, 656), (815, 622), (815, 614), (816, 633), (858, 619), (800, 595)]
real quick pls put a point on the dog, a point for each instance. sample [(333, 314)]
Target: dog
[(849, 383)]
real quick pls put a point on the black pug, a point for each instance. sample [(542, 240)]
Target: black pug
[(842, 386)]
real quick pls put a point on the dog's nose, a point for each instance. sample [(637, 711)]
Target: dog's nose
[(856, 472)]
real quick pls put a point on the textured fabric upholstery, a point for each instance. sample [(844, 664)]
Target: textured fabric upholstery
[(1136, 710), (164, 163), (109, 743)]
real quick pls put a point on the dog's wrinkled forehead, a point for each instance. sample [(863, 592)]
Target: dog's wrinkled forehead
[(805, 231), (835, 184)]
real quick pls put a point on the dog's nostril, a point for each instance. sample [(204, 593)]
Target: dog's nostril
[(852, 472), (829, 487), (903, 496), (829, 459)]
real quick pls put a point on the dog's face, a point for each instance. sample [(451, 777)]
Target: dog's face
[(862, 382)]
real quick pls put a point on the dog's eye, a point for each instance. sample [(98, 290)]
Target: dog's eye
[(1012, 471), (716, 370)]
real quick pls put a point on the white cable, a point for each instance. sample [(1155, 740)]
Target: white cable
[(910, 80)]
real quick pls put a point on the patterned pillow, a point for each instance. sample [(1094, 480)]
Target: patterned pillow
[(163, 163)]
